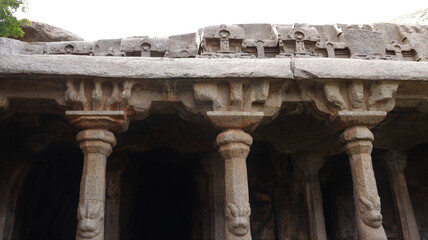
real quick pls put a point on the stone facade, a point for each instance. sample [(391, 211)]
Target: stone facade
[(250, 131)]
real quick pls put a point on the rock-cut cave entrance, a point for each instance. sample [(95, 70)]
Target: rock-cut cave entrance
[(159, 196)]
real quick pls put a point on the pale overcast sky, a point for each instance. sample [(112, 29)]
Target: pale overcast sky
[(101, 19)]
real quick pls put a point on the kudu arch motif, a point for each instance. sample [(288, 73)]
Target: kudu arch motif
[(242, 78)]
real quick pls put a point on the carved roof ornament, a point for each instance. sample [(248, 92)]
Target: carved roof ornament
[(183, 46), (72, 48), (331, 44), (144, 47), (417, 37), (223, 41), (382, 41), (364, 42), (261, 40), (297, 40)]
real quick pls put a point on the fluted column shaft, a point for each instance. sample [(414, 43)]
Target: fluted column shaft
[(357, 141), (234, 146), (96, 145), (395, 162)]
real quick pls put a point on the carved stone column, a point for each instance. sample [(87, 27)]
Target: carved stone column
[(96, 141), (395, 162), (234, 146), (353, 107), (357, 141), (310, 163)]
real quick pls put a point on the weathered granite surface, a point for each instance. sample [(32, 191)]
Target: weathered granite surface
[(212, 120), (384, 41)]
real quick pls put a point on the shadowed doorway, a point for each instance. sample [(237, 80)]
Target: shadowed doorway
[(160, 199)]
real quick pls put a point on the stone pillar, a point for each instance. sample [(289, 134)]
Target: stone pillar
[(96, 142), (96, 145), (357, 141), (310, 163), (234, 146), (395, 162)]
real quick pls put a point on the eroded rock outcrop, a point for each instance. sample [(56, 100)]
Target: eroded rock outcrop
[(42, 32)]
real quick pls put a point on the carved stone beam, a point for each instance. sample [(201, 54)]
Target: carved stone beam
[(310, 163), (99, 117), (395, 162), (353, 107)]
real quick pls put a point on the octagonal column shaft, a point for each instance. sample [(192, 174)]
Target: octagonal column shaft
[(395, 162), (96, 145), (310, 163), (234, 146), (358, 146)]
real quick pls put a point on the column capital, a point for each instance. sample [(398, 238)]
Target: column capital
[(247, 121), (114, 121)]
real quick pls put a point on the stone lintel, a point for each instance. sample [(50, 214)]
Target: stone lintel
[(246, 121), (346, 119), (114, 121)]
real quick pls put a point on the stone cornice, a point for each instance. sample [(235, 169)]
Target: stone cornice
[(163, 68)]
